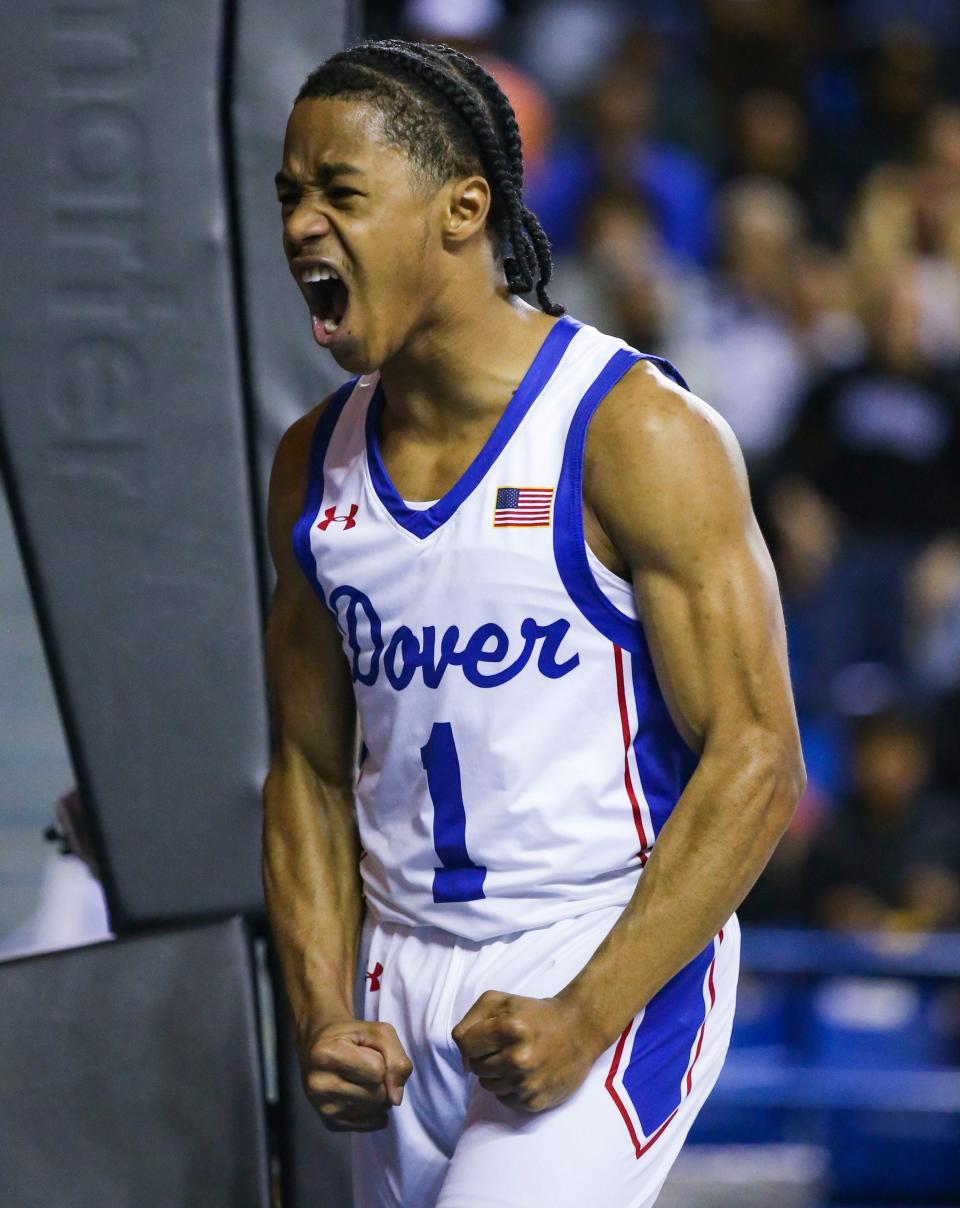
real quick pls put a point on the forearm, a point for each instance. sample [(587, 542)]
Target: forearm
[(312, 888), (705, 860)]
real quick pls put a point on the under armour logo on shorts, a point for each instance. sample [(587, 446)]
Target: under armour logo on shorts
[(375, 976)]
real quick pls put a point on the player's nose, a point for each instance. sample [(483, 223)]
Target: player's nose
[(305, 222)]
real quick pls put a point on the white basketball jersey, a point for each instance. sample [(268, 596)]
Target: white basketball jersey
[(518, 758)]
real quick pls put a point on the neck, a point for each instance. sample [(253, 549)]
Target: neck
[(464, 364)]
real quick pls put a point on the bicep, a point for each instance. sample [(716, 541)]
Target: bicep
[(716, 635), (704, 583)]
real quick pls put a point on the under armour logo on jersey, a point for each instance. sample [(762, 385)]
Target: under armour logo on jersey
[(347, 521), (375, 976)]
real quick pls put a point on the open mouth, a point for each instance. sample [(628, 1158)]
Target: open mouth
[(327, 296)]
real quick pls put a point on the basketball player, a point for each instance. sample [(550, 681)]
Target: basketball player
[(518, 570)]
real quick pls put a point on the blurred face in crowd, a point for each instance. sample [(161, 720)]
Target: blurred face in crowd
[(936, 211), (936, 190), (619, 240), (904, 76), (941, 144), (760, 228), (618, 235), (890, 766), (621, 108), (821, 284), (771, 134), (893, 318)]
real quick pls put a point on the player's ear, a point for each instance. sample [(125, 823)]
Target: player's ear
[(466, 209)]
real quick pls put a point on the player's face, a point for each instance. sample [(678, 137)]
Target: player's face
[(356, 231)]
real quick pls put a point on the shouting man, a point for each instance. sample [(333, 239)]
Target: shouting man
[(534, 736)]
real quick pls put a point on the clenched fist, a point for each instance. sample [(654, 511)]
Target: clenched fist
[(353, 1073), (531, 1053)]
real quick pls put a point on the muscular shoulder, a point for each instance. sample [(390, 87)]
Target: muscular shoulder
[(663, 471), (288, 483)]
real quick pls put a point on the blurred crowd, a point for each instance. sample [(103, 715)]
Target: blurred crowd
[(768, 194)]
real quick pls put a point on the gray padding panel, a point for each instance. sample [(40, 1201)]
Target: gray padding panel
[(277, 45), (123, 427), (132, 1077), (316, 1162)]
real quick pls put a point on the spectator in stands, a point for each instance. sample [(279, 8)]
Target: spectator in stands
[(940, 145), (772, 138), (889, 858), (620, 280), (619, 148), (780, 897), (751, 46), (901, 84), (880, 441), (804, 537), (741, 317), (874, 454), (933, 620), (914, 210), (822, 308)]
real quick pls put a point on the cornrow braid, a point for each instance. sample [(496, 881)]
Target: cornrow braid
[(462, 120), (520, 271), (509, 131)]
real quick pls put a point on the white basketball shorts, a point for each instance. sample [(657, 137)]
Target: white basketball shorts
[(452, 1144)]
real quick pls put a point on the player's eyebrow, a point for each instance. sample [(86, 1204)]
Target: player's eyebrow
[(323, 174)]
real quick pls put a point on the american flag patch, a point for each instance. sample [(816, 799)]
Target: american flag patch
[(523, 507)]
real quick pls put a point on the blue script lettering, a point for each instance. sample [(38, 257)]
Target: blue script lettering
[(354, 600), (404, 653)]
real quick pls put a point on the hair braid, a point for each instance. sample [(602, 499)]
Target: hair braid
[(521, 269), (530, 231), (482, 119), (521, 272)]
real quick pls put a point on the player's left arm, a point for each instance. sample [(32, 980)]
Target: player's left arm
[(665, 480)]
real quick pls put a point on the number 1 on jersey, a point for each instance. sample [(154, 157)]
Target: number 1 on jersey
[(459, 880)]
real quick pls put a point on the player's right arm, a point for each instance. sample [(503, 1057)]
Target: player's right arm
[(352, 1069)]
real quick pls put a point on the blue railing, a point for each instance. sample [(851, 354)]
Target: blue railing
[(786, 951), (852, 1043)]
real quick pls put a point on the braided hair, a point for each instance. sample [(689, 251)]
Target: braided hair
[(452, 119)]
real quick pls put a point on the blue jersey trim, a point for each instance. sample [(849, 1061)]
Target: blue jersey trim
[(664, 760), (663, 1042), (311, 507), (569, 542), (423, 522)]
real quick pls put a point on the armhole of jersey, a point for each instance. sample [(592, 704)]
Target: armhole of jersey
[(569, 541), (314, 489)]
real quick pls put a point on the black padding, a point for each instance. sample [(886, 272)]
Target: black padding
[(124, 438), (276, 47), (131, 1075)]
